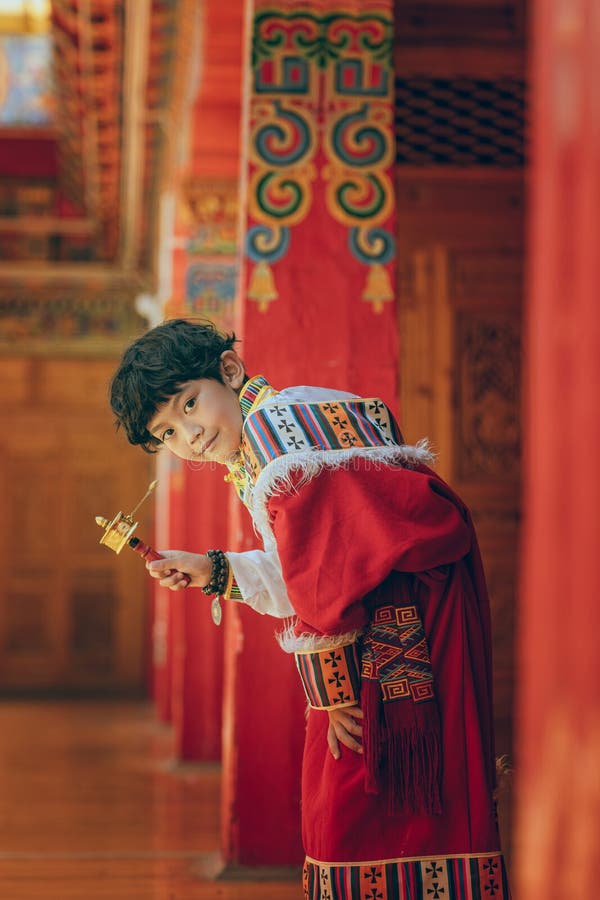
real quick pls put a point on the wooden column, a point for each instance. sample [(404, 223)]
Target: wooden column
[(559, 711)]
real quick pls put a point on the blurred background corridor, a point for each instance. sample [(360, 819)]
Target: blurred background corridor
[(396, 197)]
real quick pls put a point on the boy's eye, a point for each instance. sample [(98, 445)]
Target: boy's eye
[(169, 432), (189, 404)]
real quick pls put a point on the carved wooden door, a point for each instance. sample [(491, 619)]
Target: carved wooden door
[(460, 300), (460, 387), (72, 613), (460, 326)]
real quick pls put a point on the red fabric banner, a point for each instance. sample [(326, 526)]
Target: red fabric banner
[(320, 236)]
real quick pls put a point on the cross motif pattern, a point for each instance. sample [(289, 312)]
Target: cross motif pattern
[(434, 869), (273, 430), (373, 874), (332, 659), (340, 422), (337, 679), (341, 698), (325, 893), (474, 877), (435, 883), (285, 424)]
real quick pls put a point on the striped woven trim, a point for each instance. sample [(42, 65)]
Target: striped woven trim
[(331, 678), (232, 591), (274, 430), (472, 877), (254, 392)]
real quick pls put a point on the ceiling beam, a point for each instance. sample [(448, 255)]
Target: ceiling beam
[(135, 76), (33, 274), (46, 225)]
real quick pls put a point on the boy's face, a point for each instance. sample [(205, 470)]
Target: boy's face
[(204, 420)]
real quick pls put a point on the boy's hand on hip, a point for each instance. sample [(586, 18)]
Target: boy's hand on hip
[(171, 570), (345, 728)]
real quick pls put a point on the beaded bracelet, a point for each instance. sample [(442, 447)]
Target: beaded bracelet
[(219, 575)]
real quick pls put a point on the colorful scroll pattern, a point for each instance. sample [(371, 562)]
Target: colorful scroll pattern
[(206, 258), (321, 122)]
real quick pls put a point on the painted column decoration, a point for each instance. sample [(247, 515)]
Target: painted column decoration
[(321, 144), (203, 275), (206, 258)]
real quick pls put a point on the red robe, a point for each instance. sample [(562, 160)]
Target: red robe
[(343, 538)]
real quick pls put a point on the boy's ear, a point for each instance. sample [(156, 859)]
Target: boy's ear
[(232, 369)]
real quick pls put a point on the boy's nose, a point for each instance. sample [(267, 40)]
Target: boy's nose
[(194, 435)]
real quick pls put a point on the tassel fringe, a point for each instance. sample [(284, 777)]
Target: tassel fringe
[(403, 762), (407, 767), (414, 773)]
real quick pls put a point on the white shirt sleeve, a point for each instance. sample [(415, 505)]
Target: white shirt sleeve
[(258, 576)]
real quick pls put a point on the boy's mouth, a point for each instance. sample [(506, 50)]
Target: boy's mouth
[(207, 445)]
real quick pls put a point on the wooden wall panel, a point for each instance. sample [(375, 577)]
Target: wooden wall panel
[(72, 614), (460, 290), (487, 403), (497, 22)]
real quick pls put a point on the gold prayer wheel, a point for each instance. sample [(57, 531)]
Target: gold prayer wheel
[(119, 531)]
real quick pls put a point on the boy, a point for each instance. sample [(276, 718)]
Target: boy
[(377, 561)]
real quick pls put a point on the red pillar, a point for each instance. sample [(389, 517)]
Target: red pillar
[(187, 648), (559, 708), (264, 705), (203, 266), (192, 509), (332, 322), (318, 309), (263, 733), (162, 607), (197, 681)]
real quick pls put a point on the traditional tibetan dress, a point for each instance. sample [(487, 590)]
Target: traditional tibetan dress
[(377, 561)]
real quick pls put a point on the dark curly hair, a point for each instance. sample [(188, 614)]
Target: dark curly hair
[(154, 367)]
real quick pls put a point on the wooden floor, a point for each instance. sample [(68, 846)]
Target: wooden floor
[(91, 807)]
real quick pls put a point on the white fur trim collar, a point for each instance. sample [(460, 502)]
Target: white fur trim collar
[(276, 478), (313, 643)]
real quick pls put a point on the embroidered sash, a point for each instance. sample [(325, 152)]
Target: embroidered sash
[(401, 734)]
